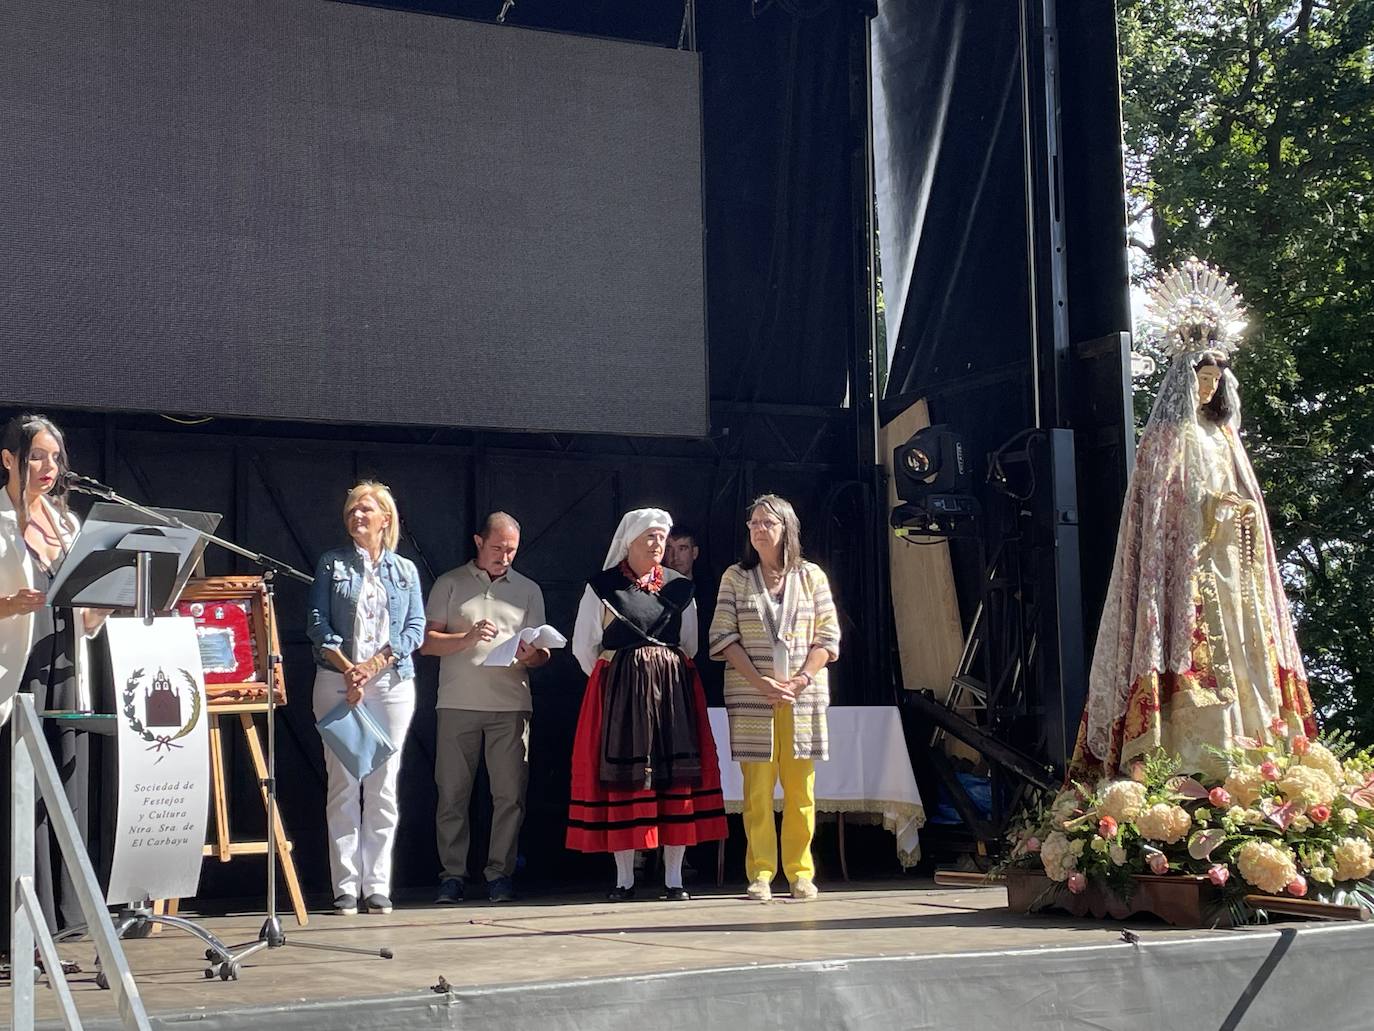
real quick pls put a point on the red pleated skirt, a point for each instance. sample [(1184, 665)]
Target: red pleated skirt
[(602, 819)]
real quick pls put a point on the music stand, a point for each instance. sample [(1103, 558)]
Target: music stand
[(120, 562)]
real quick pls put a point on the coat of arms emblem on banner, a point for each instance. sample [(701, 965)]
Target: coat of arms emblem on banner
[(163, 704)]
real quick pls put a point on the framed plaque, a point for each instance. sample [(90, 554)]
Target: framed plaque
[(236, 631)]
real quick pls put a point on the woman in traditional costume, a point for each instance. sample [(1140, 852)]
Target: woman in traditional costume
[(644, 769), (1195, 650)]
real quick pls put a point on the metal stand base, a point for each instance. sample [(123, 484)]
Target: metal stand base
[(271, 936), (138, 921)]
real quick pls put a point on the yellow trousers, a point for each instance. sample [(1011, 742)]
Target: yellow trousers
[(798, 808)]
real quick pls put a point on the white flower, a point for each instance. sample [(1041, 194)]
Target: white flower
[(1065, 804), (1117, 854), (1301, 823), (1307, 786), (1076, 846), (1353, 860), (1122, 800), (1164, 822), (1349, 815), (1056, 857), (1099, 844), (1245, 784), (1319, 757), (1323, 874), (1268, 867)]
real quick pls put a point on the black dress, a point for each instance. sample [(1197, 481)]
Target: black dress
[(50, 677)]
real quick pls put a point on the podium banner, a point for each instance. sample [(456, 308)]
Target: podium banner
[(164, 759)]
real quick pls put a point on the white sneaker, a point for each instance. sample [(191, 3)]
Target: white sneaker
[(759, 890), (804, 890)]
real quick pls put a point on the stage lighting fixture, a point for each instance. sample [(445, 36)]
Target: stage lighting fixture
[(931, 475), (933, 461)]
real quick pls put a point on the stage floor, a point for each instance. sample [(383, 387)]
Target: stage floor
[(566, 944)]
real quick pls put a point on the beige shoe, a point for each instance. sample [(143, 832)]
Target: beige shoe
[(804, 890), (759, 890)]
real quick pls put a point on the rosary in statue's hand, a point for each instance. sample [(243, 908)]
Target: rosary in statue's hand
[(1245, 509)]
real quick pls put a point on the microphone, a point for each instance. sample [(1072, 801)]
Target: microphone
[(84, 484)]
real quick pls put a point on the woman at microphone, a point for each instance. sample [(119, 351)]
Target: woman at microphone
[(42, 649)]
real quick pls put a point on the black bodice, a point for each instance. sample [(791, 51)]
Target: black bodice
[(642, 618)]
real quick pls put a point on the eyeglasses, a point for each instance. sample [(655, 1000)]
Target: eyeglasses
[(763, 524)]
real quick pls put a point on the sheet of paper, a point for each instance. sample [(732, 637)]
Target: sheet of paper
[(544, 636)]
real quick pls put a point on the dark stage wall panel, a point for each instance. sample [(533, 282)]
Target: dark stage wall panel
[(285, 496), (294, 209)]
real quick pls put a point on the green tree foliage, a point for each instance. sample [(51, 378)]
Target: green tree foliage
[(1250, 143)]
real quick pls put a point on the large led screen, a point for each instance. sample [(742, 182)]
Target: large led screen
[(307, 210)]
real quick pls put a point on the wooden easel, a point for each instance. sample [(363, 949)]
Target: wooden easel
[(224, 847), (245, 701)]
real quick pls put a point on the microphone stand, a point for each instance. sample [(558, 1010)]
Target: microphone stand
[(227, 964), (95, 489)]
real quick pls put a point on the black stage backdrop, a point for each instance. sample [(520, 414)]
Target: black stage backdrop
[(778, 141), (228, 207), (1005, 328)]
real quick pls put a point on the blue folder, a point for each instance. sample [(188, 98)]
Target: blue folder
[(356, 738)]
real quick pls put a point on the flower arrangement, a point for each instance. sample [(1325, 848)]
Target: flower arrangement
[(1291, 816)]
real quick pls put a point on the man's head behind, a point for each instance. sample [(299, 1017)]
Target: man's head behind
[(682, 551)]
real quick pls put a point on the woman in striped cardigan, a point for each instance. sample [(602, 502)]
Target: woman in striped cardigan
[(775, 625)]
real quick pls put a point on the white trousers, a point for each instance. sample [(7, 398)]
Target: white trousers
[(362, 815)]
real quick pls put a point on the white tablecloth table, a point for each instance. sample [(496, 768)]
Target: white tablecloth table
[(868, 772)]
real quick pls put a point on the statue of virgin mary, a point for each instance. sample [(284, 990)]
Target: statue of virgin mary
[(1196, 644)]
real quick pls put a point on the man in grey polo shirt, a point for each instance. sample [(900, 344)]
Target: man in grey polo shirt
[(482, 710)]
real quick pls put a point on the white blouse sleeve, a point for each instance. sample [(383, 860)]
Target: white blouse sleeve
[(587, 631), (690, 636)]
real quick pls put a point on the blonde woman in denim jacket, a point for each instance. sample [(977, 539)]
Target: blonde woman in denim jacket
[(366, 621)]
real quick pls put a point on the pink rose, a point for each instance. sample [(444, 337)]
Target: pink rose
[(1319, 813), (1219, 874), (1106, 827), (1032, 844), (1159, 863), (1279, 726), (1301, 746), (1077, 882), (1219, 797), (1297, 887), (1270, 770)]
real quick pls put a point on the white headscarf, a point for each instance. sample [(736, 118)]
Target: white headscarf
[(587, 633), (632, 526)]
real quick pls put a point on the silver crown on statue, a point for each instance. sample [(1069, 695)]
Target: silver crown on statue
[(1193, 306)]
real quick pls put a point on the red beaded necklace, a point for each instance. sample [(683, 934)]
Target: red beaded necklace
[(650, 583)]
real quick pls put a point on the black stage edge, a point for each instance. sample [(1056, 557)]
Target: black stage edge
[(1271, 978)]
